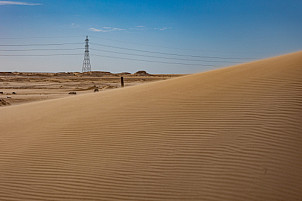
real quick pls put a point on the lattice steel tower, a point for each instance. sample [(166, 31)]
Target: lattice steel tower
[(86, 63)]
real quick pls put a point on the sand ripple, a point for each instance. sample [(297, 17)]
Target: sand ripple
[(228, 134)]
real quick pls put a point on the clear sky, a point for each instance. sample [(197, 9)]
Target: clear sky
[(160, 36)]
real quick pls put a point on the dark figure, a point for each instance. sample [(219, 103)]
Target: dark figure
[(122, 81)]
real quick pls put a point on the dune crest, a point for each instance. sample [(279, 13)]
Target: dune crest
[(227, 134)]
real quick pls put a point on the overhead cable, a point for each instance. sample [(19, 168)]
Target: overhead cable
[(165, 53), (160, 57), (151, 60)]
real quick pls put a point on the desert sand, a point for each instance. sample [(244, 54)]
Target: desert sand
[(227, 134)]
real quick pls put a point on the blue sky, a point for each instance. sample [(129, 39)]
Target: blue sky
[(152, 35)]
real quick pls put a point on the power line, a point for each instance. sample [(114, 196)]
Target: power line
[(165, 47), (165, 53), (116, 52), (102, 38), (40, 37), (36, 55), (97, 37), (127, 42), (123, 48), (150, 60), (177, 63), (131, 54), (115, 40), (47, 44), (24, 50)]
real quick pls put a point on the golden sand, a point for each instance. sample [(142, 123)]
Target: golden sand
[(228, 134)]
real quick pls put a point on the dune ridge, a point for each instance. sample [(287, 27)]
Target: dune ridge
[(228, 134)]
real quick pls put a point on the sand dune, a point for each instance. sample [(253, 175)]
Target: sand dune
[(228, 134)]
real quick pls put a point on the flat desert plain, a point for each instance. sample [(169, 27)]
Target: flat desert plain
[(22, 87), (227, 134)]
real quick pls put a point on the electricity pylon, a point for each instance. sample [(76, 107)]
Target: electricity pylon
[(86, 63)]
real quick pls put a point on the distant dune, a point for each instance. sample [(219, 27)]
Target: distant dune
[(228, 134)]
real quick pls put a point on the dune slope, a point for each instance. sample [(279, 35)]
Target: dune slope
[(228, 134)]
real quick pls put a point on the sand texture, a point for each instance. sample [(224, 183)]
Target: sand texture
[(228, 134)]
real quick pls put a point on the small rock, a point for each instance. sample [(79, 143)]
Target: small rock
[(3, 102)]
